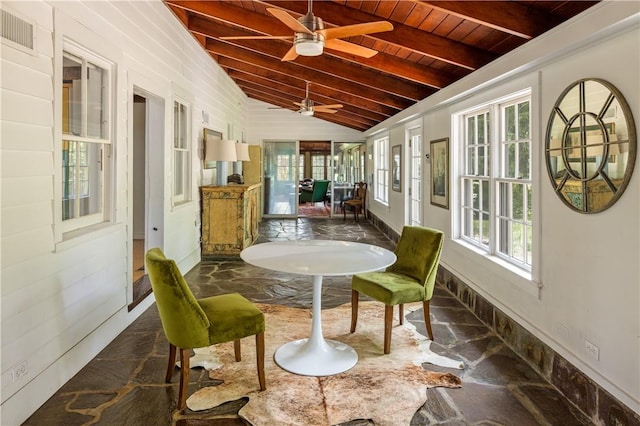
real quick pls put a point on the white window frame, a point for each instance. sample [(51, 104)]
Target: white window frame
[(491, 175), (381, 165), (416, 171), (181, 150), (106, 158)]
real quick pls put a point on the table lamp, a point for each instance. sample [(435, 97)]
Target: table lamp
[(221, 151)]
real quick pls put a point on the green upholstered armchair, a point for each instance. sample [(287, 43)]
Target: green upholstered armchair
[(192, 323), (410, 279), (317, 193)]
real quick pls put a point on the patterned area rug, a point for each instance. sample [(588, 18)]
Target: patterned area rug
[(387, 389), (313, 209)]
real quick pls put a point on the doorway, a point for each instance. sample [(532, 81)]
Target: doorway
[(147, 187), (281, 179)]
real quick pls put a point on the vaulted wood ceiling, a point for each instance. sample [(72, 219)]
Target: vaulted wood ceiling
[(432, 44)]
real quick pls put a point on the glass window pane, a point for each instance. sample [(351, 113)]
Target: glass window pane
[(471, 161), (481, 129), (529, 202), (523, 160), (485, 229), (510, 123), (523, 120), (482, 171), (485, 195), (503, 241), (518, 202), (96, 102), (178, 186), (504, 199), (509, 160), (471, 130), (476, 226), (72, 95), (517, 246), (476, 194)]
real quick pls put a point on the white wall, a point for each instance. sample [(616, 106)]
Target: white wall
[(64, 300), (587, 265), (284, 124)]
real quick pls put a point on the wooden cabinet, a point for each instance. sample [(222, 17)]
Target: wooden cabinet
[(230, 216)]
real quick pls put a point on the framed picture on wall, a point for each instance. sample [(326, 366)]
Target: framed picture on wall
[(396, 172), (439, 153), (208, 136)]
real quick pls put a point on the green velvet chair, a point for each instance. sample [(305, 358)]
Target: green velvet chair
[(317, 193), (192, 323), (410, 279)]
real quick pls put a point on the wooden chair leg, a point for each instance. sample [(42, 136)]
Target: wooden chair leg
[(184, 378), (427, 318), (388, 320), (172, 363), (260, 360), (354, 309), (236, 350), (401, 313)]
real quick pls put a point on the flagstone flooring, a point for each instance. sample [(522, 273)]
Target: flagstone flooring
[(124, 384)]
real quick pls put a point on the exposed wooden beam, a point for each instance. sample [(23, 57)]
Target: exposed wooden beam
[(317, 92), (388, 64), (289, 102), (336, 67), (319, 86), (257, 59), (509, 17)]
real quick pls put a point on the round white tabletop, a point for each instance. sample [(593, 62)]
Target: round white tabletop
[(316, 356)]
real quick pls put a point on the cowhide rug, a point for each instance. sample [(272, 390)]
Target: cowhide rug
[(387, 389)]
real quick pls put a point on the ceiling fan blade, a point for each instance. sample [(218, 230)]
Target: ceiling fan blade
[(300, 104), (289, 20), (329, 106), (290, 55), (351, 48), (325, 110), (356, 29), (257, 38)]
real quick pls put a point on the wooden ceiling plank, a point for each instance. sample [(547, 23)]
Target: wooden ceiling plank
[(509, 17)]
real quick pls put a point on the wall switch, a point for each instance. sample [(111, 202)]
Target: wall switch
[(19, 371), (592, 350)]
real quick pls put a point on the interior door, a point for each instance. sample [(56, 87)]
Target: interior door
[(280, 178)]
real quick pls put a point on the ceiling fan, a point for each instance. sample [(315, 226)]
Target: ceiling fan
[(311, 37), (308, 108)]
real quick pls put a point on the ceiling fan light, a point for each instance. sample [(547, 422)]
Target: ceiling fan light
[(309, 47), (307, 112)]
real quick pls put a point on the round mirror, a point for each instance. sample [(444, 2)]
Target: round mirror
[(590, 145)]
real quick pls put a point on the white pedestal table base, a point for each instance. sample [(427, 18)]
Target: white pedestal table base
[(316, 356)]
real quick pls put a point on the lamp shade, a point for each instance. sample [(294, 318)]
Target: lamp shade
[(242, 152), (221, 150)]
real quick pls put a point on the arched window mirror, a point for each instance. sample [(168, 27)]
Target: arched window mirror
[(590, 145)]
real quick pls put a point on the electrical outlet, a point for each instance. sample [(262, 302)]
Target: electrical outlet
[(592, 350), (19, 371)]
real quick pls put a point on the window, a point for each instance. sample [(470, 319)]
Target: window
[(415, 183), (86, 138), (496, 180), (381, 151), (319, 166), (181, 154)]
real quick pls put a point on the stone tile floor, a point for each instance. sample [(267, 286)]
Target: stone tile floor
[(124, 384)]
